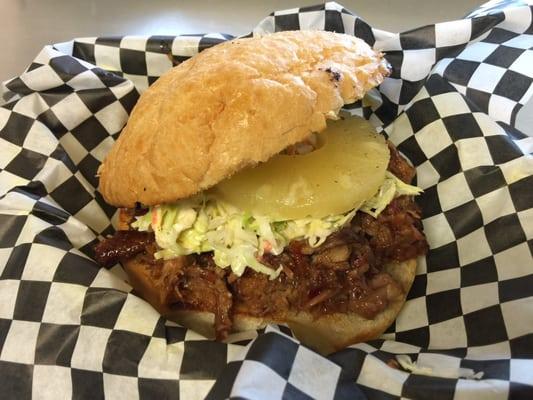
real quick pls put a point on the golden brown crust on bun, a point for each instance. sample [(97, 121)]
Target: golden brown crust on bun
[(231, 106)]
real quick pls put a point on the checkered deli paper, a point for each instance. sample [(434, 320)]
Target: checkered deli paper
[(69, 329)]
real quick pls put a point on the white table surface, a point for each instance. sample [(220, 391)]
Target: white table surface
[(28, 25)]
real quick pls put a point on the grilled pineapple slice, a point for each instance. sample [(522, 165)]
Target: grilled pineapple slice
[(346, 169)]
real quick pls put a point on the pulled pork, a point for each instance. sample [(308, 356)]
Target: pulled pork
[(343, 275)]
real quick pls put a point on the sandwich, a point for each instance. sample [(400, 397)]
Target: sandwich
[(245, 199)]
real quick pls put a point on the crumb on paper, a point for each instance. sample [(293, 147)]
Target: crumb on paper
[(443, 372)]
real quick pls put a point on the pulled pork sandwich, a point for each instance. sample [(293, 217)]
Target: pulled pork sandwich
[(239, 207)]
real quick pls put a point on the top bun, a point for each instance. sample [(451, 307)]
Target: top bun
[(231, 106)]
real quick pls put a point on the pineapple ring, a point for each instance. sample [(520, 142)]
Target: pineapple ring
[(337, 177)]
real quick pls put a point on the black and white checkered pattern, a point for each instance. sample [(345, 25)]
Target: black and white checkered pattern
[(142, 59), (261, 371), (70, 329)]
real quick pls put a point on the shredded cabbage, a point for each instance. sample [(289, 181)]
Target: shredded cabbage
[(392, 187), (438, 368), (239, 239)]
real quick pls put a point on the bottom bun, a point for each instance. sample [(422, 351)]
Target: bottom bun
[(333, 332), (325, 334)]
